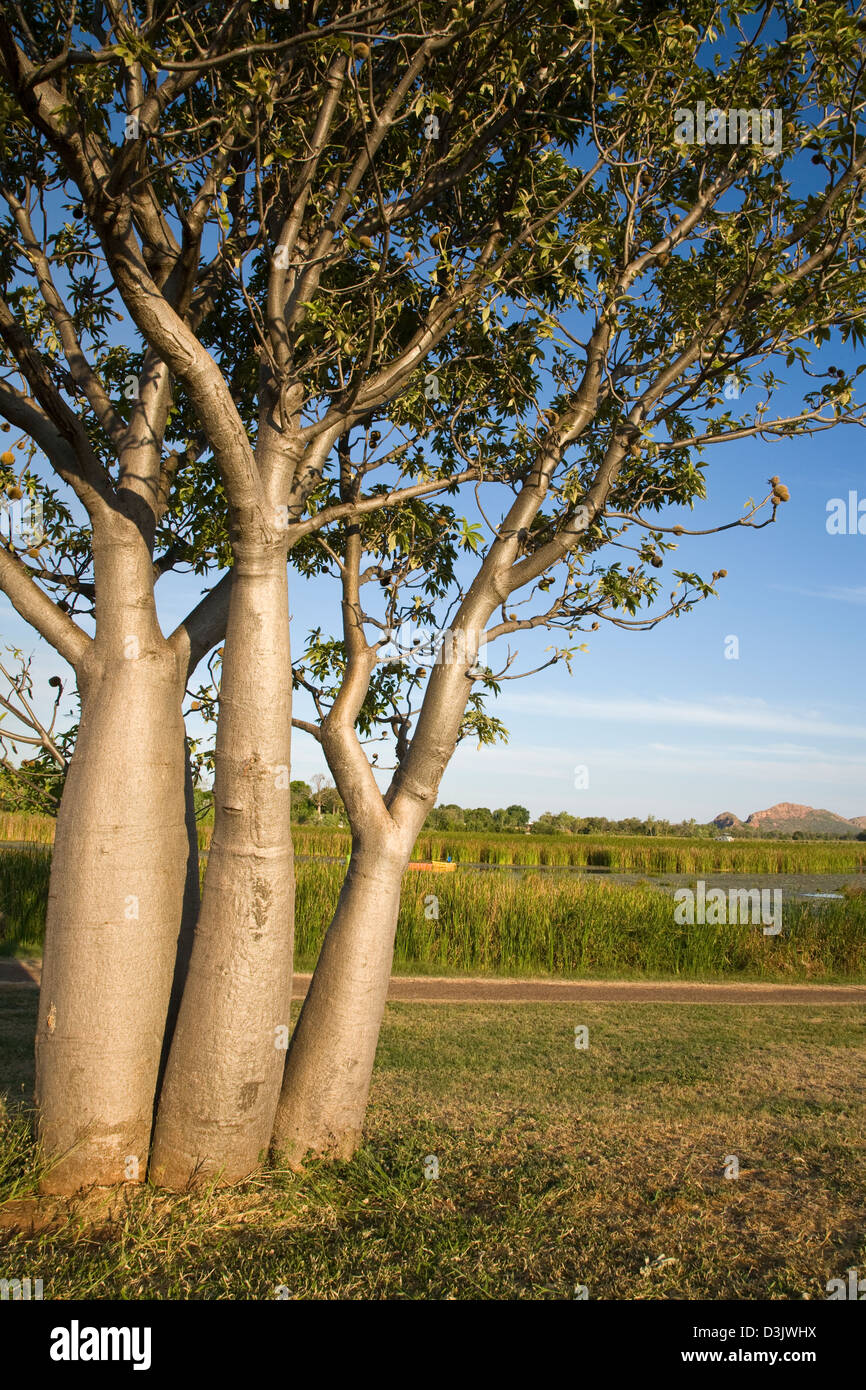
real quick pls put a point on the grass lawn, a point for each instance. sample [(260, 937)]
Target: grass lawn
[(557, 1167)]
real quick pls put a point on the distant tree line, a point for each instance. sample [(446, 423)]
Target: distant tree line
[(453, 817), (517, 818), (35, 787)]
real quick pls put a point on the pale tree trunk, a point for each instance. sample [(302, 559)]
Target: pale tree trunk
[(223, 1076), (330, 1063), (120, 863), (121, 870), (329, 1066)]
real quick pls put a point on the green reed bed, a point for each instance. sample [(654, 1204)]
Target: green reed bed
[(622, 853), (645, 854), (16, 825), (23, 899), (529, 924), (535, 924)]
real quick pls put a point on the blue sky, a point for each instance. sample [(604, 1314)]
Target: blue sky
[(663, 722), (666, 724)]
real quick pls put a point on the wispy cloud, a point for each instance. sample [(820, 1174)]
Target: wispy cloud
[(786, 752), (669, 779), (835, 593), (727, 713)]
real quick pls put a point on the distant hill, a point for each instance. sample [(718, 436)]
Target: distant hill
[(787, 817)]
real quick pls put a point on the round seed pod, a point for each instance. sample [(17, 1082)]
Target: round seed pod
[(14, 493), (781, 493), (7, 458), (362, 50)]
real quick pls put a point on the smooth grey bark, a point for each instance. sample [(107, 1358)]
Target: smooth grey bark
[(225, 1065), (115, 907), (330, 1063), (329, 1067)]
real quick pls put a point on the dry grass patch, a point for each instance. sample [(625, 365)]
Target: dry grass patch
[(556, 1167)]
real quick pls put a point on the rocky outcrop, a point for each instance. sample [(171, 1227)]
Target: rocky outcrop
[(787, 817)]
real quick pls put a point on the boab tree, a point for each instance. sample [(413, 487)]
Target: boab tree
[(262, 195), (80, 563), (253, 194), (696, 260), (353, 176)]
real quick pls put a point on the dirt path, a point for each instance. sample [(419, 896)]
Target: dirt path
[(433, 989), (437, 990)]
